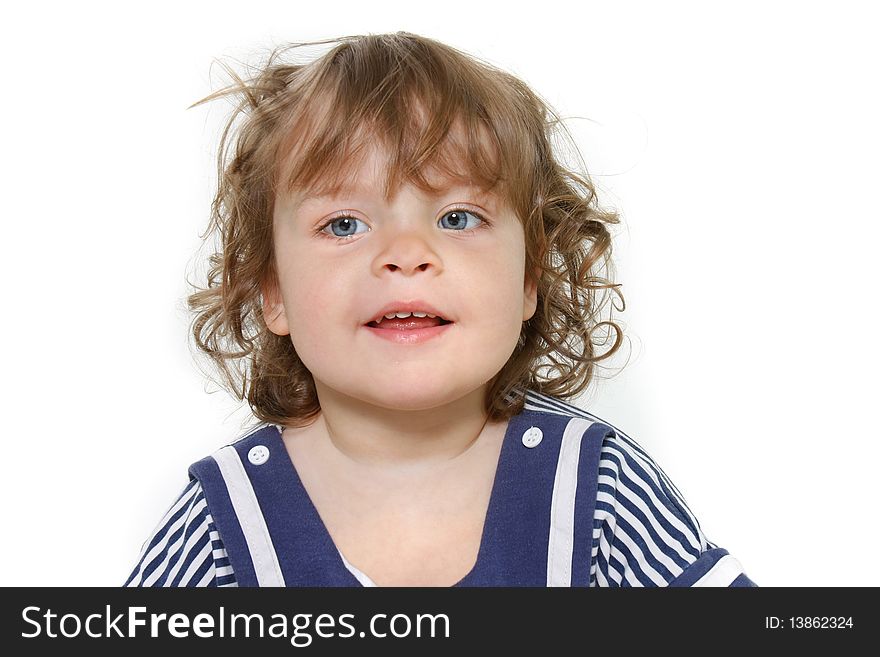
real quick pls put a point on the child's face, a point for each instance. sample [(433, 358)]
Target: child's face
[(331, 286)]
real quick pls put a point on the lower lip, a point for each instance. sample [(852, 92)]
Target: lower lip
[(414, 336)]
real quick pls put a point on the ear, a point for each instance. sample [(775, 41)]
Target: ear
[(530, 294), (273, 308)]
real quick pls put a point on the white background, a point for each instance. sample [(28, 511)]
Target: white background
[(740, 144)]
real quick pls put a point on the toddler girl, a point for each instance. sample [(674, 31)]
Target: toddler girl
[(406, 291)]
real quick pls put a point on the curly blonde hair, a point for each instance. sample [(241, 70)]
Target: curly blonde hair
[(296, 123)]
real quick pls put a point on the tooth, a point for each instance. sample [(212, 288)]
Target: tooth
[(402, 315)]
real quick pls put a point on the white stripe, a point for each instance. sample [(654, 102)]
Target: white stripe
[(200, 559), (206, 579), (218, 553), (253, 525), (725, 570), (601, 579), (357, 572), (194, 539), (620, 536), (560, 547), (621, 575), (608, 551)]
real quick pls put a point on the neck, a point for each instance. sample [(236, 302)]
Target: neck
[(374, 436)]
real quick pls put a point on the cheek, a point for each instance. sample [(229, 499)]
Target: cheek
[(496, 295), (501, 279), (309, 295)]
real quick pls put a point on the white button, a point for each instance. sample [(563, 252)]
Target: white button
[(258, 455), (532, 437)]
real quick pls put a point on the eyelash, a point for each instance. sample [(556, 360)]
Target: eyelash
[(345, 215)]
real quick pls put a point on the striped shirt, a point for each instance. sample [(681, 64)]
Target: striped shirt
[(643, 533)]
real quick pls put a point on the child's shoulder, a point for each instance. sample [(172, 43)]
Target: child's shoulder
[(616, 445), (538, 402), (623, 467), (649, 535), (558, 413), (253, 444)]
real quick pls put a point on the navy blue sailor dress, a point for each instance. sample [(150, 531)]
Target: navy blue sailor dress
[(575, 502)]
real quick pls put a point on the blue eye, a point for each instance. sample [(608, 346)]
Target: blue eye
[(458, 218), (345, 223)]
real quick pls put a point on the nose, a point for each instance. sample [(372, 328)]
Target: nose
[(408, 252)]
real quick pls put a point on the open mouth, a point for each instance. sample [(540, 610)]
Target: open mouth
[(411, 323)]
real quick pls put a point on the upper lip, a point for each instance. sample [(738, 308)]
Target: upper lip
[(408, 306)]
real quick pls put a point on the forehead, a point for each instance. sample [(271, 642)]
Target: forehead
[(367, 177)]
